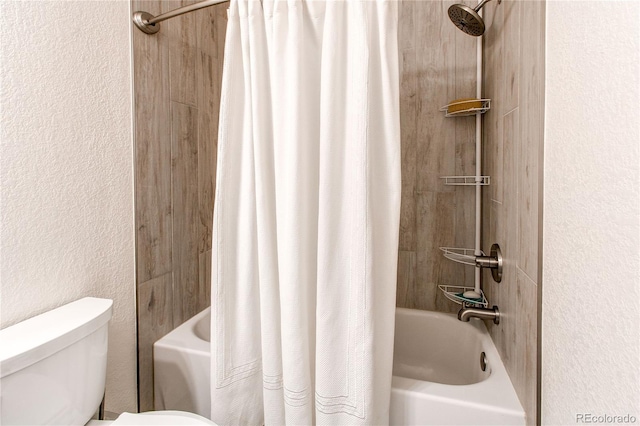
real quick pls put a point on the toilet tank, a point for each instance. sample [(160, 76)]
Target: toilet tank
[(53, 366)]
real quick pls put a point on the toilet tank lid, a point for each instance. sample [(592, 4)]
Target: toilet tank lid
[(39, 337)]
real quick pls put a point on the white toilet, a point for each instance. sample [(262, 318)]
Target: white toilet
[(53, 370)]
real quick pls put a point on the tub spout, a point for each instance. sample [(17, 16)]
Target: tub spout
[(466, 313)]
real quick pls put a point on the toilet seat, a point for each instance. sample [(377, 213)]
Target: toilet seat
[(160, 418)]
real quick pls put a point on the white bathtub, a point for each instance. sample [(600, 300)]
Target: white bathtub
[(437, 377)]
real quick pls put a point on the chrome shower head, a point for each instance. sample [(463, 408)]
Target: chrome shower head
[(468, 19)]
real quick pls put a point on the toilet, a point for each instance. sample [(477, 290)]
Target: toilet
[(53, 370)]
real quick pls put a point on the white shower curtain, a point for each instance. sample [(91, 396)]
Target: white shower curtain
[(306, 214)]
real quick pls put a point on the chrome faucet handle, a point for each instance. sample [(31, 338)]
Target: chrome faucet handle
[(493, 261)]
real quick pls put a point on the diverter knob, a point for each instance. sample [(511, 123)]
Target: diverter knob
[(493, 261)]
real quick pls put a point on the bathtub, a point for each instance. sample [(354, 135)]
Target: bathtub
[(438, 378), (437, 372)]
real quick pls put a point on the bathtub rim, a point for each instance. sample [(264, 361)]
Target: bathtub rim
[(184, 337)]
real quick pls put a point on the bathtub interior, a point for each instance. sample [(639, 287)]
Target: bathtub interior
[(446, 352), (439, 350), (442, 350), (202, 328)]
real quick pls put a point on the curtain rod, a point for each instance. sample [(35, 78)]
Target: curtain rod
[(150, 24)]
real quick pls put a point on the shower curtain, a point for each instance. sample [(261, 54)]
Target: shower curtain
[(306, 218)]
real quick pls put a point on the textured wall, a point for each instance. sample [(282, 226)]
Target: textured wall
[(66, 169), (513, 144), (590, 350), (177, 89), (438, 64)]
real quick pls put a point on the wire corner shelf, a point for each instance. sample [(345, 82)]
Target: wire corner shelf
[(485, 105), (467, 180), (455, 294), (461, 255)]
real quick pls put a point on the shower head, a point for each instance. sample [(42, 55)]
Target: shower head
[(468, 19)]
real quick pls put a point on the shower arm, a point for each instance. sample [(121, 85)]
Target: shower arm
[(149, 24), (482, 3)]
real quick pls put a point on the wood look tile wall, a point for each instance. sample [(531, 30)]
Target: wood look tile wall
[(513, 148), (437, 65), (177, 76)]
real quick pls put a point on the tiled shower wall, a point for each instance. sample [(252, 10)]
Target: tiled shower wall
[(177, 84), (513, 148), (438, 64)]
